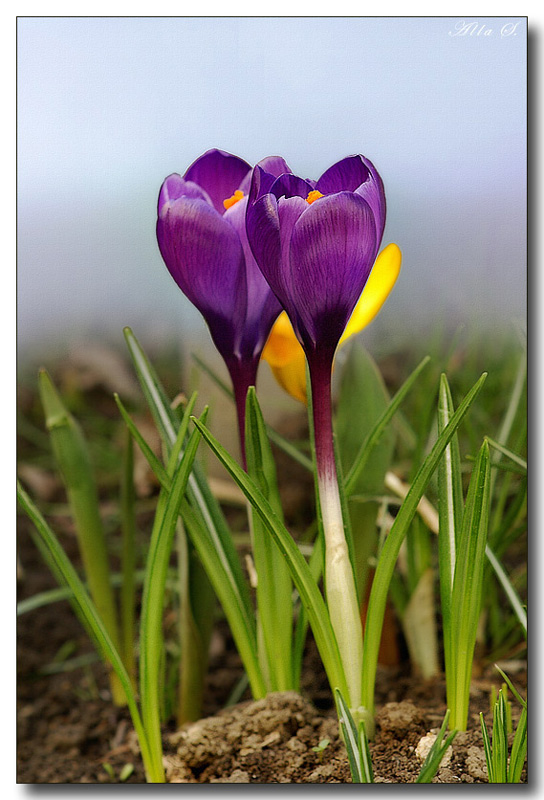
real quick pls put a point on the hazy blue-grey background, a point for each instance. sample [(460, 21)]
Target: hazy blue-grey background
[(107, 107)]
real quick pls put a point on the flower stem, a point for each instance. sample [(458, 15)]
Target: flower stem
[(243, 375), (340, 588)]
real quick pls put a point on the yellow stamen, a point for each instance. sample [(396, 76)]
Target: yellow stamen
[(313, 196), (230, 201)]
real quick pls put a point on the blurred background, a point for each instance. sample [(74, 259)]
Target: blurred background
[(108, 107)]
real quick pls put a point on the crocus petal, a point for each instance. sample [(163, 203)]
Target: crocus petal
[(272, 165), (377, 289), (262, 305), (344, 176), (282, 345), (288, 185), (219, 174), (332, 250), (292, 376), (357, 174), (269, 226), (204, 256), (175, 187)]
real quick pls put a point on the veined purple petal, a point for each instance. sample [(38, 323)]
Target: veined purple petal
[(260, 184), (373, 192), (175, 187), (344, 176), (205, 257), (273, 165), (262, 305), (268, 229), (357, 174), (219, 174), (332, 251), (289, 185)]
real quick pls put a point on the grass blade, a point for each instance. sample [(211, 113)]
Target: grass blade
[(436, 753), (390, 550), (450, 514), (504, 580), (155, 464), (92, 621), (205, 507), (373, 436), (128, 557), (274, 586), (300, 572), (74, 464), (487, 750), (518, 752), (350, 735), (467, 585), (153, 592)]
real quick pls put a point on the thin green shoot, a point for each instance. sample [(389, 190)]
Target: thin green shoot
[(73, 461), (356, 742), (437, 752)]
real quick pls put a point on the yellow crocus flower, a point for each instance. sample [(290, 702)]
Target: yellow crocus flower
[(283, 351)]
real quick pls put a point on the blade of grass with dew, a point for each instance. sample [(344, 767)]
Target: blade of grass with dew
[(380, 426), (274, 586), (160, 547), (128, 557), (73, 461), (390, 550), (93, 623), (450, 514), (300, 572), (436, 753), (467, 584)]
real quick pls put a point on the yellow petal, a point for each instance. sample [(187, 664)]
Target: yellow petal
[(283, 351), (377, 289), (292, 377), (282, 345)]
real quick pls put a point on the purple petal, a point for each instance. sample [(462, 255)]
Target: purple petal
[(273, 165), (260, 184), (344, 176), (205, 257), (373, 192), (219, 174), (333, 247), (356, 174), (262, 305), (289, 185), (175, 186)]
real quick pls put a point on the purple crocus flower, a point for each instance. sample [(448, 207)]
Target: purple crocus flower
[(316, 243), (202, 237)]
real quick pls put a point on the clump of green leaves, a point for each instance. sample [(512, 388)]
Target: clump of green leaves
[(500, 767)]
